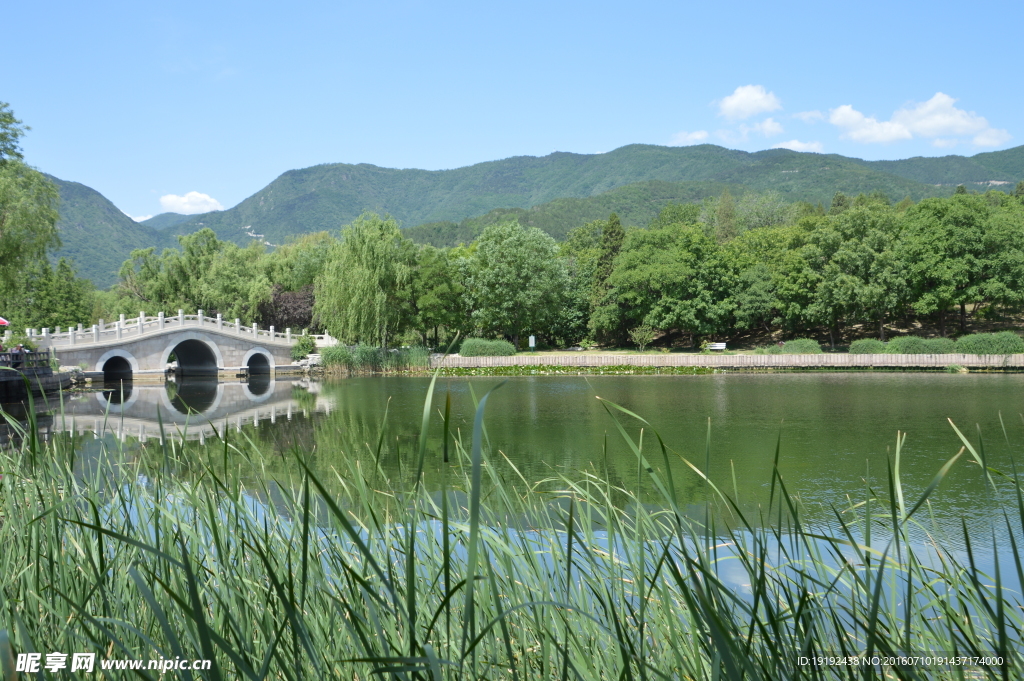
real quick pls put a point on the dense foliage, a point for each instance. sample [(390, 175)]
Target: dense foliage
[(713, 270), (304, 345)]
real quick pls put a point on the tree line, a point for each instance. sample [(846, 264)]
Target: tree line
[(697, 272), (711, 270)]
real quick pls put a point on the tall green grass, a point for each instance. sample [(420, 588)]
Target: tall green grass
[(159, 551), (371, 359)]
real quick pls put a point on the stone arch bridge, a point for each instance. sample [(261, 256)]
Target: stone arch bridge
[(201, 346)]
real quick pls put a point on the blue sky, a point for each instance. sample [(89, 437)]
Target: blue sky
[(192, 105)]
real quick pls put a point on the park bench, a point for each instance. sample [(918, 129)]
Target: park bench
[(716, 346)]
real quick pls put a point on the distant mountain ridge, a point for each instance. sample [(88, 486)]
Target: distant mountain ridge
[(328, 196), (165, 220), (97, 235), (570, 186)]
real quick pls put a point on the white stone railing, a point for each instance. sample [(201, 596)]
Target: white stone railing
[(111, 333)]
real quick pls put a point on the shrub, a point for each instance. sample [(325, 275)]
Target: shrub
[(801, 346), (907, 345), (867, 346), (642, 335), (303, 346), (1002, 343), (481, 347), (940, 346)]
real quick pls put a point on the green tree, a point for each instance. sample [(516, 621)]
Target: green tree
[(438, 295), (28, 208), (840, 202), (363, 292), (612, 236), (945, 254), (725, 218), (11, 130), (51, 297), (861, 276), (516, 281), (670, 278)]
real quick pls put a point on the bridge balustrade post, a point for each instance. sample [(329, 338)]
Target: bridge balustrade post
[(220, 322), (238, 325), (95, 333), (271, 333), (120, 325), (199, 313), (255, 329), (181, 317), (46, 333), (288, 334), (160, 320), (80, 328), (71, 332), (142, 321)]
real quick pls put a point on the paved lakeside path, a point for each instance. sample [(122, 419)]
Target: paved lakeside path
[(824, 361)]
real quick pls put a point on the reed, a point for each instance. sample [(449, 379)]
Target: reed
[(148, 552)]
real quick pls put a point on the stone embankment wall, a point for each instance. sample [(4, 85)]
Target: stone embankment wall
[(823, 361)]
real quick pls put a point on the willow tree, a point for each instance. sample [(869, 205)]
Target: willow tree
[(363, 293), (28, 208)]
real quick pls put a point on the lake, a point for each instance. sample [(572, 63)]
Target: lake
[(837, 431)]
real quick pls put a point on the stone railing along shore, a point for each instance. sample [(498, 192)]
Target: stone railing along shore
[(838, 360)]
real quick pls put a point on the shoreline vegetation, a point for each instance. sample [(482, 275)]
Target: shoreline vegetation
[(158, 551), (977, 352)]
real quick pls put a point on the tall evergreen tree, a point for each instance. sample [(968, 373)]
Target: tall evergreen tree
[(725, 218), (840, 202), (612, 237)]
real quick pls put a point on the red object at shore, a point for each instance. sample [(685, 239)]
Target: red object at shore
[(3, 322)]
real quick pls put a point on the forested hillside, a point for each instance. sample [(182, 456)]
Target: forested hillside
[(96, 235), (555, 193), (311, 199)]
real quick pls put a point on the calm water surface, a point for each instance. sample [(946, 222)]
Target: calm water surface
[(837, 430)]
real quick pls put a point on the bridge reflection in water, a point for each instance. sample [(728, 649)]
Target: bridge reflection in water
[(190, 409)]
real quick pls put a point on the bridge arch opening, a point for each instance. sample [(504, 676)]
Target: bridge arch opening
[(117, 368), (258, 363), (195, 358)]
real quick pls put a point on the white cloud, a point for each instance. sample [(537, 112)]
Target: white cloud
[(747, 101), (139, 218), (993, 137), (682, 139), (861, 128), (797, 145), (937, 119), (767, 127), (189, 204), (810, 116)]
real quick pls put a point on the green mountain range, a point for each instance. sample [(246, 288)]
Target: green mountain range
[(165, 220), (98, 236), (555, 192)]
